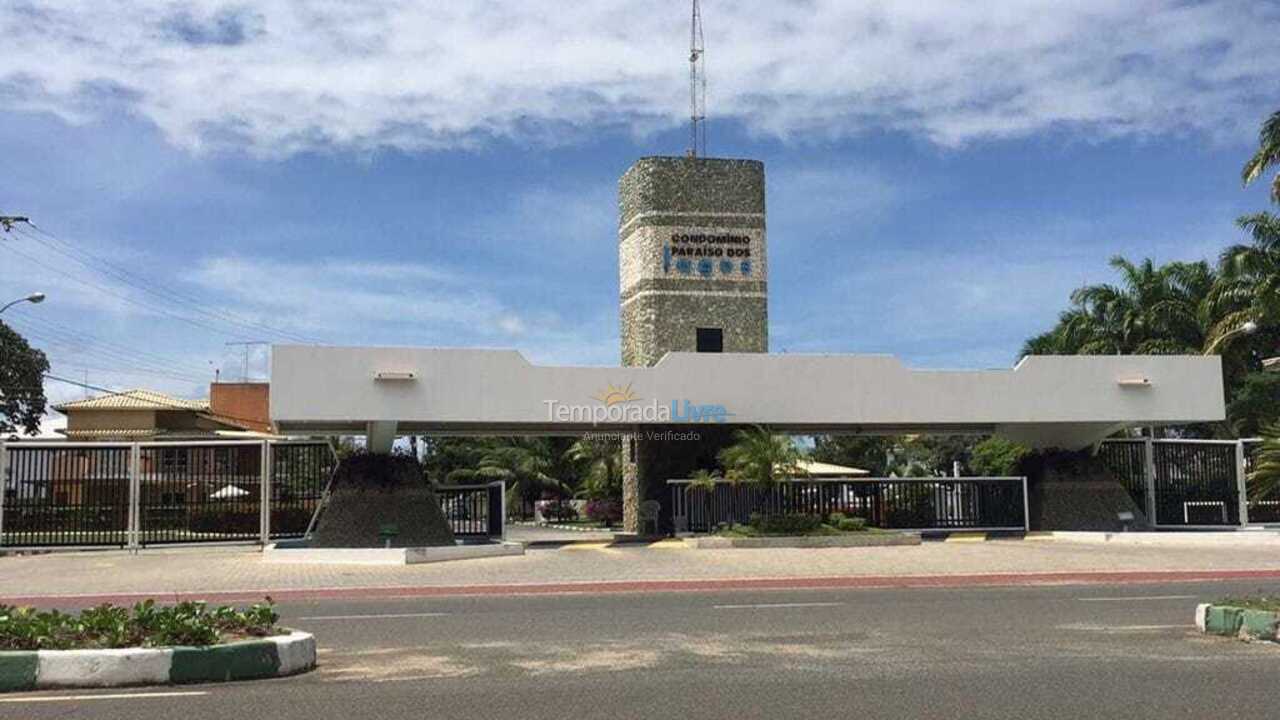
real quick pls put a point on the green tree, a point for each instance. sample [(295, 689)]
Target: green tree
[(1255, 404), (599, 463), (1264, 478), (759, 456), (997, 457), (1267, 156), (867, 452), (22, 369)]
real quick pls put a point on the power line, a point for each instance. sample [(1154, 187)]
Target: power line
[(150, 286), (72, 337), (119, 296), (130, 393)]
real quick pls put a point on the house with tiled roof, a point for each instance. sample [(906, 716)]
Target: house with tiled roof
[(232, 410)]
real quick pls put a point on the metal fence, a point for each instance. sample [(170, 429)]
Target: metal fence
[(474, 510), (890, 503), (61, 494), (1190, 483)]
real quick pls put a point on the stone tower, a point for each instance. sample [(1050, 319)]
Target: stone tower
[(693, 278), (692, 263)]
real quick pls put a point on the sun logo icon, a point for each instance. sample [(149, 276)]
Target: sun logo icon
[(613, 395)]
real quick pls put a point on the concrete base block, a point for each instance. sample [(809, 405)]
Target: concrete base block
[(104, 668), (1201, 610), (806, 541), (297, 652), (386, 556)]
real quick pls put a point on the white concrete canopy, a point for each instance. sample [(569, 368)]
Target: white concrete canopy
[(1044, 401)]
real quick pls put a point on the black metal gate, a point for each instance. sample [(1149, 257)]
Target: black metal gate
[(66, 496), (1196, 483), (473, 510), (1193, 483)]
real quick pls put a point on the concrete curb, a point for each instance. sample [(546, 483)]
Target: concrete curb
[(1171, 538), (279, 553), (805, 541), (252, 659), (1229, 621)]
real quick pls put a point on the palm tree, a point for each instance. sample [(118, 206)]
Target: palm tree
[(1268, 155), (1248, 286), (761, 457), (600, 460), (525, 465), (1264, 478), (1153, 310)]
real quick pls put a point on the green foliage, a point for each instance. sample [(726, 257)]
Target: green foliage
[(1267, 603), (870, 453), (788, 524), (22, 369), (1255, 404), (997, 457), (1267, 156), (758, 456), (1264, 478), (598, 464), (850, 524), (704, 479), (146, 625), (380, 471)]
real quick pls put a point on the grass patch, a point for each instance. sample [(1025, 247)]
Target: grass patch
[(1270, 603), (144, 625)]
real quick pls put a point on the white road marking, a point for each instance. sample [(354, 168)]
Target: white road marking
[(1137, 598), (386, 616), (777, 605), (115, 696)]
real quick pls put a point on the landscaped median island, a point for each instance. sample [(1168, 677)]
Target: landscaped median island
[(148, 644), (803, 531), (1255, 617)]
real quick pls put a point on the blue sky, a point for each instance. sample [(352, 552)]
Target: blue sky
[(939, 178)]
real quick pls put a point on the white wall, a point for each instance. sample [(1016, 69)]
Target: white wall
[(1044, 400)]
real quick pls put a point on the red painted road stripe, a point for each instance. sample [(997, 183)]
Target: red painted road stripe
[(656, 586)]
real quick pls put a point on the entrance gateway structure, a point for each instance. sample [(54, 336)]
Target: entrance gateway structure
[(695, 363)]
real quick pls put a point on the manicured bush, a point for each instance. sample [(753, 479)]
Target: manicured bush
[(788, 524), (608, 512), (145, 625)]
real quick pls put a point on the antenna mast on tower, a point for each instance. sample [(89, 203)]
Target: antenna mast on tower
[(697, 86)]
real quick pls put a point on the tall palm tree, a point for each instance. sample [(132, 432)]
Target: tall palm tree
[(1268, 155), (1248, 286), (1264, 478), (1153, 310)]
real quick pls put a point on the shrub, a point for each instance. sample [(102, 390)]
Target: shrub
[(146, 625), (789, 524), (557, 510), (850, 524), (608, 512)]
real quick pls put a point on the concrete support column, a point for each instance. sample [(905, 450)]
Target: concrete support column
[(667, 452), (380, 436)]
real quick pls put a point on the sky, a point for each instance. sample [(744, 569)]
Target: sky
[(940, 176)]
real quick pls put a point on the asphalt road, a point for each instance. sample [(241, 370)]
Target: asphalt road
[(1027, 652)]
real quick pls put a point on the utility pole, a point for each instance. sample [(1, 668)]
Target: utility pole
[(697, 86), (246, 345)]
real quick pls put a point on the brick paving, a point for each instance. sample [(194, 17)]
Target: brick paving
[(163, 572)]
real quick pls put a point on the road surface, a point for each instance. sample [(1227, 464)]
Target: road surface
[(1072, 652)]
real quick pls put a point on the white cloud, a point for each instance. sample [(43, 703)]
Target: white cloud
[(279, 77)]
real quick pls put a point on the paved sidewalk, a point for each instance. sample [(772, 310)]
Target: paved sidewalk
[(207, 570)]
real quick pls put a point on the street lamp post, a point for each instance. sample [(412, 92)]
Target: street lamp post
[(1248, 328), (34, 298)]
